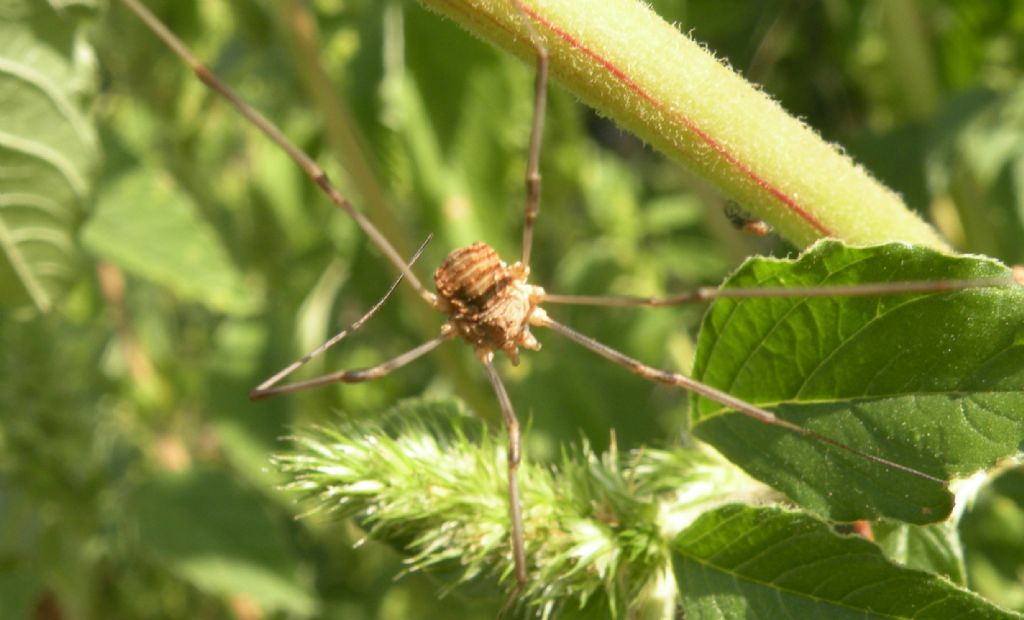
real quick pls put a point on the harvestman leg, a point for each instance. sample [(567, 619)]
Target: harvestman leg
[(264, 390), (533, 189), (515, 507), (666, 377), (270, 388), (357, 376), (658, 375), (540, 91), (312, 170), (709, 293)]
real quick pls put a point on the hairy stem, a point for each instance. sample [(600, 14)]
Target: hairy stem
[(625, 61)]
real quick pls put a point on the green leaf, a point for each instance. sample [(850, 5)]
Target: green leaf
[(47, 149), (934, 382), (993, 533), (148, 226), (934, 548), (744, 562), (221, 538)]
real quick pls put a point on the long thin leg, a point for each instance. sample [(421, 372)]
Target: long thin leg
[(357, 376), (515, 508), (284, 372), (312, 170), (708, 293), (540, 91), (675, 379)]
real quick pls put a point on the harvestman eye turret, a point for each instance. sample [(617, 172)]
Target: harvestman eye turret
[(491, 305)]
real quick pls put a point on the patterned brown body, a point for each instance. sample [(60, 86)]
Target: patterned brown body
[(488, 303)]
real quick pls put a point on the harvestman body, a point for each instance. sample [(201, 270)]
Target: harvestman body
[(491, 305)]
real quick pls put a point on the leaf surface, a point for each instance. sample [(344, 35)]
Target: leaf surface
[(744, 562), (220, 537), (147, 225), (934, 382), (47, 150)]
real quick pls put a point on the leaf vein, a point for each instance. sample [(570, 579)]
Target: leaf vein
[(800, 303), (49, 156), (51, 90), (33, 287), (37, 201)]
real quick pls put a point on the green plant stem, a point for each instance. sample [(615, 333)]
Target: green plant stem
[(624, 60), (909, 58)]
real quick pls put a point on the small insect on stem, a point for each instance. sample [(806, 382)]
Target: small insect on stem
[(492, 306), (744, 220)]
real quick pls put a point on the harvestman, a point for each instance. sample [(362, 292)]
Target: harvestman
[(491, 305)]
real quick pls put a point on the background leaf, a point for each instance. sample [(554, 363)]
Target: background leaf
[(741, 562), (994, 541), (48, 149), (149, 227), (933, 382), (217, 535)]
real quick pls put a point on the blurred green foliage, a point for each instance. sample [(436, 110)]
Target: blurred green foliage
[(207, 261)]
